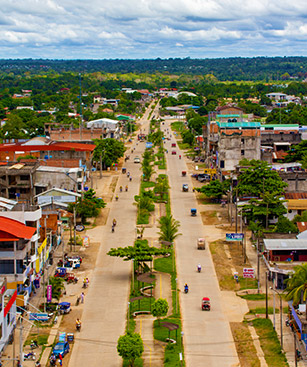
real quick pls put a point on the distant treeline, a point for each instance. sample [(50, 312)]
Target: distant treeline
[(235, 68)]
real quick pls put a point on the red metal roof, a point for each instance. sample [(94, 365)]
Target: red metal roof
[(15, 228), (295, 195), (302, 226), (51, 147)]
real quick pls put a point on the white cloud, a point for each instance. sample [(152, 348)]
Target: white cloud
[(151, 28)]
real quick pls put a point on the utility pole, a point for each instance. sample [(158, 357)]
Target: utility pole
[(101, 164), (74, 228), (266, 295), (236, 210), (20, 344), (258, 267), (295, 352)]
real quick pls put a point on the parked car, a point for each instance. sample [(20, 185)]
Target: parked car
[(203, 177), (173, 145), (137, 160), (60, 348), (174, 152)]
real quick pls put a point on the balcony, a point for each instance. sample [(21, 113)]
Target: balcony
[(7, 252)]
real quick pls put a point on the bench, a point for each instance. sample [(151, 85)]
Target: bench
[(137, 313)]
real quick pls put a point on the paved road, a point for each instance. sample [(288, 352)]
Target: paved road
[(207, 336), (105, 308)]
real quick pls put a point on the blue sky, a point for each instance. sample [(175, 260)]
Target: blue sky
[(99, 29)]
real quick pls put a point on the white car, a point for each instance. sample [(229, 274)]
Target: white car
[(137, 160)]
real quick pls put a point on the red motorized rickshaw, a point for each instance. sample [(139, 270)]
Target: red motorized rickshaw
[(205, 304)]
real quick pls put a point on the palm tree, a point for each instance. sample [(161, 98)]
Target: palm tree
[(297, 286), (168, 226)]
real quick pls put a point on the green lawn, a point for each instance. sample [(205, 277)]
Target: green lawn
[(254, 297), (171, 357), (270, 343)]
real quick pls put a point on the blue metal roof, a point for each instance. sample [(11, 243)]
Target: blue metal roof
[(237, 125)]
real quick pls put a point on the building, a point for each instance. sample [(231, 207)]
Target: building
[(236, 141), (233, 111), (7, 313), (17, 180), (296, 180), (18, 254), (47, 177), (46, 149), (281, 136)]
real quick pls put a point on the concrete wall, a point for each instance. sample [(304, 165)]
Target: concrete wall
[(56, 179), (271, 138), (297, 181), (230, 149)]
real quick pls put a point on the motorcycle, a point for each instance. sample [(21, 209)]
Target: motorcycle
[(116, 197), (37, 364), (186, 289), (126, 188), (199, 268), (78, 327), (52, 360), (29, 356), (113, 228), (34, 344)]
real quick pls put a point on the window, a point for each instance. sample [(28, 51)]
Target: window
[(242, 152), (222, 164)]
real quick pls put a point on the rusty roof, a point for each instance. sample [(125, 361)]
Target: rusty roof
[(295, 195), (302, 226)]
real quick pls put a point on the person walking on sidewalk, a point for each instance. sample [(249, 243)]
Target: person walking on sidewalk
[(82, 297)]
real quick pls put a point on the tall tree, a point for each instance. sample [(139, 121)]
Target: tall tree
[(108, 150), (130, 346)]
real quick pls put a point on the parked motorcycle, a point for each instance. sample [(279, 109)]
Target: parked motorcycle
[(33, 344), (29, 356)]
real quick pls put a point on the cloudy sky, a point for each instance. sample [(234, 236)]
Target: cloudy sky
[(98, 29)]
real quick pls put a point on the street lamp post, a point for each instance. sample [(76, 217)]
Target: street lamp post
[(280, 311)]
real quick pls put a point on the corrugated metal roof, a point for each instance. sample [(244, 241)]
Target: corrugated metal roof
[(15, 228), (285, 244), (302, 226), (300, 204), (279, 125), (295, 195), (237, 125), (52, 147)]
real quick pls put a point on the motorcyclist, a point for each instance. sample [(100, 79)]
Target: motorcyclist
[(120, 188), (116, 197), (114, 222), (180, 157), (52, 360), (186, 288), (126, 187), (78, 324), (199, 268)]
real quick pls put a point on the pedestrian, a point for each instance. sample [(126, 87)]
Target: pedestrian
[(61, 359), (82, 297)]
